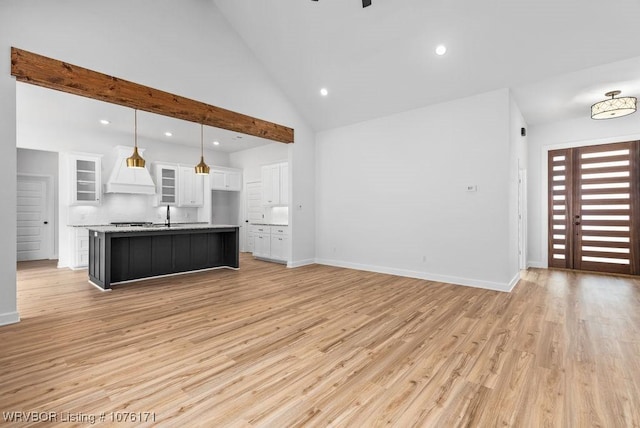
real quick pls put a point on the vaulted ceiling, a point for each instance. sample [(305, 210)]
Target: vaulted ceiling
[(381, 60)]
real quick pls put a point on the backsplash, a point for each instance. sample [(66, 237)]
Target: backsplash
[(277, 215), (118, 207)]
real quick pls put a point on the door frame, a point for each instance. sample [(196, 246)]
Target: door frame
[(522, 219), (544, 182), (50, 208)]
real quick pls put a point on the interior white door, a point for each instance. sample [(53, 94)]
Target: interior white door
[(33, 226), (255, 211)]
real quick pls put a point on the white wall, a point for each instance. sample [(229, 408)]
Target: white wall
[(572, 133), (37, 162), (183, 47), (251, 160), (391, 193)]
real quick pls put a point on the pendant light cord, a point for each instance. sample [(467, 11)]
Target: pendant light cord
[(135, 127)]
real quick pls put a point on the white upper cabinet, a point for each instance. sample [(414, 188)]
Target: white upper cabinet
[(275, 184), (226, 179), (191, 187), (85, 179), (167, 184)]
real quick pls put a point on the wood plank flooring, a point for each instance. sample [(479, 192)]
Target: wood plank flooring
[(323, 346)]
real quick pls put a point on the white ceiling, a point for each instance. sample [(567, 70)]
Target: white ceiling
[(558, 57), (56, 111), (380, 60)]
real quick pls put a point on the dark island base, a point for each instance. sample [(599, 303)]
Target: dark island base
[(125, 256)]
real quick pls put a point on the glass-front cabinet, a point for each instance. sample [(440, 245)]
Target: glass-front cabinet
[(167, 184), (86, 179)]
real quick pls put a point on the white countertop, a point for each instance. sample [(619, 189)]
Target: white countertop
[(159, 227), (268, 224)]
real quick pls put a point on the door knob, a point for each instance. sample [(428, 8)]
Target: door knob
[(46, 222)]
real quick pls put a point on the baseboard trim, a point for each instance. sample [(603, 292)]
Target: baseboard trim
[(467, 282), (9, 318), (536, 264), (514, 281), (301, 263)]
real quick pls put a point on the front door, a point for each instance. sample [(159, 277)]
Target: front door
[(594, 208)]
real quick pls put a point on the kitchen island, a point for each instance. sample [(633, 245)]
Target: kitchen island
[(119, 254)]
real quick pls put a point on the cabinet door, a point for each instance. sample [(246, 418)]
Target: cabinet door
[(218, 180), (279, 247), (270, 185), (267, 186), (251, 238), (284, 184), (234, 181), (191, 188), (262, 245), (86, 180), (167, 184), (80, 247)]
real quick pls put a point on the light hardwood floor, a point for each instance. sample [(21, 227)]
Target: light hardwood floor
[(318, 346)]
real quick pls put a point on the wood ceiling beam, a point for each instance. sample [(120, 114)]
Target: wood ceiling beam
[(50, 73)]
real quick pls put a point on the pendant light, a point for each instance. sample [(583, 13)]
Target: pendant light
[(202, 168), (614, 107), (135, 161)]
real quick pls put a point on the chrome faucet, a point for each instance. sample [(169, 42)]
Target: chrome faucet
[(167, 222)]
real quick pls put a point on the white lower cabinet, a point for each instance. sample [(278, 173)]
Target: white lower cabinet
[(279, 245), (251, 240), (80, 259), (262, 245), (270, 242)]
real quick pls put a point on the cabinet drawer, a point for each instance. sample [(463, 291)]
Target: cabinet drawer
[(255, 228), (279, 230)]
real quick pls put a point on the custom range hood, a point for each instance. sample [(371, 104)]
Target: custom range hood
[(129, 180)]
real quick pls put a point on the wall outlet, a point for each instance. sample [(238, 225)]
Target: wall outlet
[(472, 188)]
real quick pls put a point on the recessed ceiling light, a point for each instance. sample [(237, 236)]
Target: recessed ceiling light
[(104, 121), (168, 134), (324, 92), (441, 50), (216, 143)]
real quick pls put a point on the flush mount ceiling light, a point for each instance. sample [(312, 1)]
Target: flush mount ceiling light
[(324, 92), (441, 50), (216, 143), (613, 107), (168, 134), (135, 161), (202, 168), (365, 3), (104, 121)]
